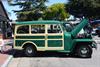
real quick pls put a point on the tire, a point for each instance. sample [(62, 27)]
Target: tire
[(30, 51), (84, 51)]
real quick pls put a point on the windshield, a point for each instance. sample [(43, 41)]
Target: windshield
[(68, 27)]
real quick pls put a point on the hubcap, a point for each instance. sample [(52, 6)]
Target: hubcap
[(84, 50), (29, 50)]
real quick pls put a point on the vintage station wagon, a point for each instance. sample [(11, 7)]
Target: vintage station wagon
[(33, 36)]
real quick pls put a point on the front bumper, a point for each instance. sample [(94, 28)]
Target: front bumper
[(94, 45)]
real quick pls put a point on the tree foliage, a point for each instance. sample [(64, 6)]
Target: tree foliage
[(30, 9), (56, 11), (87, 8)]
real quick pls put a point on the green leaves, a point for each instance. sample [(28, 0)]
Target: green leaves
[(87, 8), (30, 9), (56, 11)]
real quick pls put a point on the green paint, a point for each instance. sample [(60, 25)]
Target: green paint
[(54, 37), (38, 22), (55, 43), (39, 43), (68, 41), (77, 29), (30, 37), (83, 40)]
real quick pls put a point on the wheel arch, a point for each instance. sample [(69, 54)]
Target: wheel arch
[(29, 42), (77, 44)]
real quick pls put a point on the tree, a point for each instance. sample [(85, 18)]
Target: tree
[(30, 9), (87, 8), (56, 11)]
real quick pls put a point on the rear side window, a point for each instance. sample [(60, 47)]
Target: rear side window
[(54, 28), (23, 29), (37, 29)]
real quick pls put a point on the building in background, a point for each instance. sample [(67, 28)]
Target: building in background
[(4, 22), (5, 27)]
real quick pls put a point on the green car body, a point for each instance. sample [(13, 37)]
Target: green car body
[(35, 36)]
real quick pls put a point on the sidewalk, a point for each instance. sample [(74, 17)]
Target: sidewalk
[(4, 56)]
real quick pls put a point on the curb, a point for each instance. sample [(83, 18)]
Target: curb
[(7, 61)]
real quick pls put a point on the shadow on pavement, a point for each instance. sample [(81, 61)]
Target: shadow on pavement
[(9, 52), (19, 53)]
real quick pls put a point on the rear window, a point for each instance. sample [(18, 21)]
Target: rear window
[(54, 28), (23, 29)]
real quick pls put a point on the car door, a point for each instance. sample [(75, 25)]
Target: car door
[(38, 35), (54, 37)]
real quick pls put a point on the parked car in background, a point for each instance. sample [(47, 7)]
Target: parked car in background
[(96, 27), (98, 31), (94, 32)]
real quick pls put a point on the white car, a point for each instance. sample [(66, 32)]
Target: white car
[(94, 31)]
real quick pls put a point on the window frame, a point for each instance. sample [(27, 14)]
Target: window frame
[(37, 33), (46, 29), (16, 29), (55, 33)]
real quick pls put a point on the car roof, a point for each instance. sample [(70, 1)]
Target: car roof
[(38, 22)]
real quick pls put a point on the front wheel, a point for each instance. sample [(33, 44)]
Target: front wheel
[(30, 51), (84, 51)]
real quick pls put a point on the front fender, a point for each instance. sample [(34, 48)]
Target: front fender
[(90, 42)]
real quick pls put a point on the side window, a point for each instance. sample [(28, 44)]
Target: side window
[(23, 29), (37, 29), (54, 28)]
